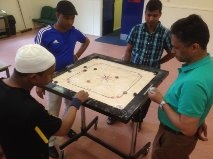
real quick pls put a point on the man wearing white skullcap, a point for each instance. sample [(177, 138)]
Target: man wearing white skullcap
[(33, 58), (25, 124)]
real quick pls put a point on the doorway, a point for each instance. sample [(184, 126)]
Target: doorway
[(108, 16)]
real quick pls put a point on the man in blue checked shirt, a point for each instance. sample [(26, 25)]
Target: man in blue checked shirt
[(146, 44)]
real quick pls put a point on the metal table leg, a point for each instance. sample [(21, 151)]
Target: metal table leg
[(84, 132)]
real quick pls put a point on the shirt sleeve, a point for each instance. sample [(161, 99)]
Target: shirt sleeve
[(131, 36), (46, 123), (80, 36), (41, 38), (167, 42)]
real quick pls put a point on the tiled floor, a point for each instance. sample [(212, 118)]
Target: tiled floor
[(119, 134)]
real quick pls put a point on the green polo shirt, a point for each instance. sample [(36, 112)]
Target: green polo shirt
[(191, 94)]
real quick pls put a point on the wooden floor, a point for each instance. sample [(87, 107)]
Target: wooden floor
[(119, 134)]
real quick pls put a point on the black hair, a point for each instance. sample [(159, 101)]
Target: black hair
[(153, 5), (191, 29), (66, 8)]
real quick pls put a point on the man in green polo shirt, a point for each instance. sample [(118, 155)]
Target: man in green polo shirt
[(184, 107)]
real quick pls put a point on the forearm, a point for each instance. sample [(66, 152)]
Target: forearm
[(187, 125), (82, 48), (40, 92), (128, 52), (69, 118), (67, 121), (167, 57)]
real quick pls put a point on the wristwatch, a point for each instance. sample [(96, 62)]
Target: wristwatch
[(161, 104)]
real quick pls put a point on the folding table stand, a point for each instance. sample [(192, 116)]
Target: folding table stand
[(84, 132)]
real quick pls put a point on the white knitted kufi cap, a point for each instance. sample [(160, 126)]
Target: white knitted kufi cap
[(33, 58)]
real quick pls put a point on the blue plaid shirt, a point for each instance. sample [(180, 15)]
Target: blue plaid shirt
[(148, 47)]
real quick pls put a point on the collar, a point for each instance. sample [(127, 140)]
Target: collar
[(196, 64), (145, 28)]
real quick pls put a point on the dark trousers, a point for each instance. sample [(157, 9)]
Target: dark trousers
[(141, 114), (170, 145)]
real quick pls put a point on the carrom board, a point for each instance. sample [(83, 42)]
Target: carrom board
[(115, 88)]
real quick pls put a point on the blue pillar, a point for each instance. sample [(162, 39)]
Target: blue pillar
[(132, 12)]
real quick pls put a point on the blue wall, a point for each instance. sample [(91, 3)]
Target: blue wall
[(132, 13)]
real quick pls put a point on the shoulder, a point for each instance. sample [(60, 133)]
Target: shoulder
[(163, 28), (137, 29), (139, 26), (44, 34), (77, 34), (75, 30), (45, 30)]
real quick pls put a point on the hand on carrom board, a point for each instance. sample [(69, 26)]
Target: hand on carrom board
[(82, 95)]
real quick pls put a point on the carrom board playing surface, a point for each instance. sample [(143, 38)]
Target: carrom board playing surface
[(115, 88), (111, 83)]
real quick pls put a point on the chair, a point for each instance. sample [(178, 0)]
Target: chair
[(47, 17), (4, 67)]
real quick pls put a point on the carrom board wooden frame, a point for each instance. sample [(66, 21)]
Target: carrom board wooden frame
[(123, 115)]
